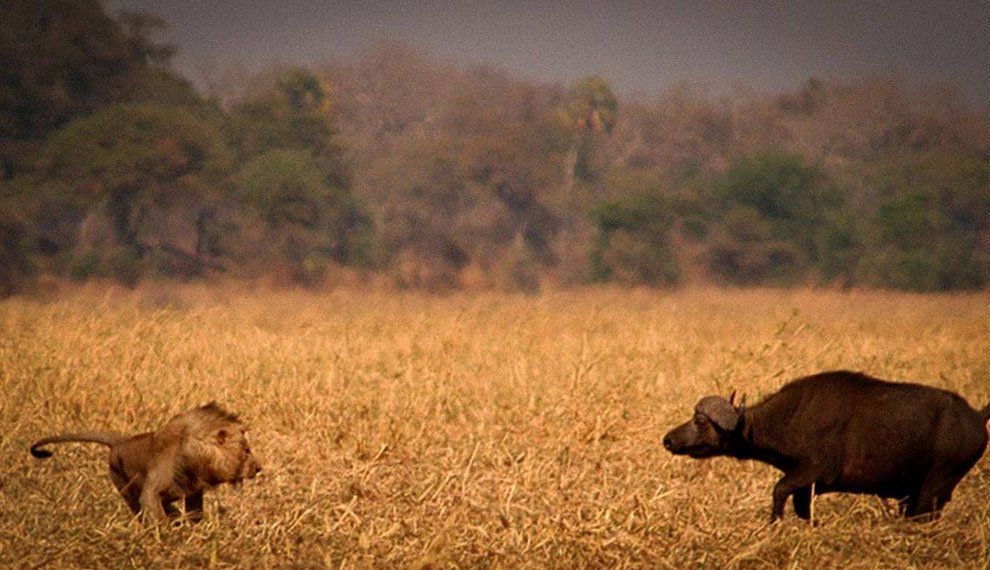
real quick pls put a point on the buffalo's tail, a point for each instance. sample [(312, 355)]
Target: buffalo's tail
[(985, 413)]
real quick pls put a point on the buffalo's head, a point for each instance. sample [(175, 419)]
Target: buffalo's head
[(707, 433)]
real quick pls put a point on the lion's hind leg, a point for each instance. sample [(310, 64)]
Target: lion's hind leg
[(194, 506)]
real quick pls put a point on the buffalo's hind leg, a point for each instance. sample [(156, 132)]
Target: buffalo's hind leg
[(923, 509), (906, 503), (934, 493), (802, 502)]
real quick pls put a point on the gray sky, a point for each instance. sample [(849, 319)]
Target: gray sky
[(642, 48)]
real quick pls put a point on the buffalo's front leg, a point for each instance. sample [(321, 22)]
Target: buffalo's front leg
[(799, 479)]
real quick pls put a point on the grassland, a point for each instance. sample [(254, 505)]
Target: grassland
[(471, 431)]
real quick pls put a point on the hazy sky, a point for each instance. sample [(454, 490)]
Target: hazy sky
[(641, 47)]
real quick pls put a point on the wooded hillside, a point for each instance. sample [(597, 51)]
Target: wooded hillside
[(428, 175)]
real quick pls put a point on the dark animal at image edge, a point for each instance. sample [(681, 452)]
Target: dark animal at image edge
[(846, 432)]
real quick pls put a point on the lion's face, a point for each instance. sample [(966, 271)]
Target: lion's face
[(230, 458), (248, 465), (217, 445)]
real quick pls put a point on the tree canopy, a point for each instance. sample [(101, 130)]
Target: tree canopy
[(429, 175)]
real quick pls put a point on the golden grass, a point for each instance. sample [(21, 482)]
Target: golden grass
[(472, 431)]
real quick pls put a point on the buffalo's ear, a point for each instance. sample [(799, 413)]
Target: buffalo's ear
[(720, 411)]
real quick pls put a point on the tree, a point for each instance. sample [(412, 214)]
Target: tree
[(291, 110), (17, 264), (138, 27), (632, 245), (592, 106), (132, 162), (591, 112), (460, 167), (295, 178), (66, 58), (309, 222), (932, 224), (63, 60), (779, 216)]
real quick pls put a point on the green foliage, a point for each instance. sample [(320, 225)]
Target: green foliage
[(509, 163), (134, 158), (295, 178), (782, 187), (903, 220), (66, 58), (591, 112), (778, 217), (66, 65), (112, 166), (309, 220), (426, 214), (140, 149), (118, 263), (463, 172), (301, 90), (285, 187), (294, 113), (19, 233), (15, 255), (123, 265), (138, 28), (930, 228), (84, 265), (591, 105), (632, 244), (61, 58)]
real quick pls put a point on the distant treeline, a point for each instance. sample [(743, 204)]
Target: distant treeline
[(427, 175)]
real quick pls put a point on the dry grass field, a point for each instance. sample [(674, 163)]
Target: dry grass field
[(470, 431)]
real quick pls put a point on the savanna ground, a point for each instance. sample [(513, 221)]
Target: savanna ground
[(470, 431)]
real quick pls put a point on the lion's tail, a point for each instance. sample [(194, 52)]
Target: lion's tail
[(107, 439)]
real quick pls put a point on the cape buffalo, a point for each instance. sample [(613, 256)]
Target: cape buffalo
[(845, 431)]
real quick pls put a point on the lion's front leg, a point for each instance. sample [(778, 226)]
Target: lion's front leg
[(156, 485)]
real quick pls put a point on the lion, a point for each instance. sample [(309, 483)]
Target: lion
[(198, 449)]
